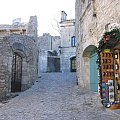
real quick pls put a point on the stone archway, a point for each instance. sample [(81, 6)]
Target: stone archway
[(19, 53), (90, 68)]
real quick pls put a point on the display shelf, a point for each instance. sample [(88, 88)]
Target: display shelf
[(107, 65)]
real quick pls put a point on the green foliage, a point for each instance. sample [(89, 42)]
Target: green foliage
[(109, 39), (114, 34)]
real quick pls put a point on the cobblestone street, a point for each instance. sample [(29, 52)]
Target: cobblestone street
[(55, 96)]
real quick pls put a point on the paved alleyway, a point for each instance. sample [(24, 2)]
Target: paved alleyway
[(55, 96)]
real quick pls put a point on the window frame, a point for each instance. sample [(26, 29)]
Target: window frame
[(73, 41)]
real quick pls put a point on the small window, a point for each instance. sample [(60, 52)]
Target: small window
[(73, 41), (73, 64)]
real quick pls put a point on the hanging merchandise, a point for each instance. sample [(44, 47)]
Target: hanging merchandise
[(109, 62), (116, 55), (116, 75), (116, 66)]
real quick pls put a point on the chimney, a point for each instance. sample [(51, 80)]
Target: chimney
[(63, 16)]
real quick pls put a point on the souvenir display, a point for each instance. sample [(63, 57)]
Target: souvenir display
[(109, 71)]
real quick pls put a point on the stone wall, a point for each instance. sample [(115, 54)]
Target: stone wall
[(32, 27), (92, 19), (5, 67), (47, 43), (20, 39), (26, 47), (56, 41), (42, 62), (67, 31), (66, 55)]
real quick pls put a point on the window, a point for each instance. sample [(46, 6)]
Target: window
[(73, 41), (73, 64)]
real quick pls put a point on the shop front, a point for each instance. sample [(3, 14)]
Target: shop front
[(109, 69)]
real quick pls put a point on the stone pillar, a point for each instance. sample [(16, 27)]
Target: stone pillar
[(32, 27)]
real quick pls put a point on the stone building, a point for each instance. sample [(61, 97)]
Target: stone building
[(68, 44), (58, 53), (49, 59), (93, 19), (18, 61)]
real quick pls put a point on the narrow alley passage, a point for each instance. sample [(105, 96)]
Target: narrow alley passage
[(55, 96)]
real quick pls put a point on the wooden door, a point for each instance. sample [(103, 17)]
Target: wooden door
[(93, 73)]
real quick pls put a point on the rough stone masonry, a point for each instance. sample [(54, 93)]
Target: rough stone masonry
[(18, 58)]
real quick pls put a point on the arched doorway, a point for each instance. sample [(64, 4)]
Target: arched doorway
[(93, 72), (16, 73), (73, 64), (19, 54), (91, 67)]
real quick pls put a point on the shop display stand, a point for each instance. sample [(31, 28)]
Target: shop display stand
[(110, 75)]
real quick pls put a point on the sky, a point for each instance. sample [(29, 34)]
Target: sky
[(48, 12)]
